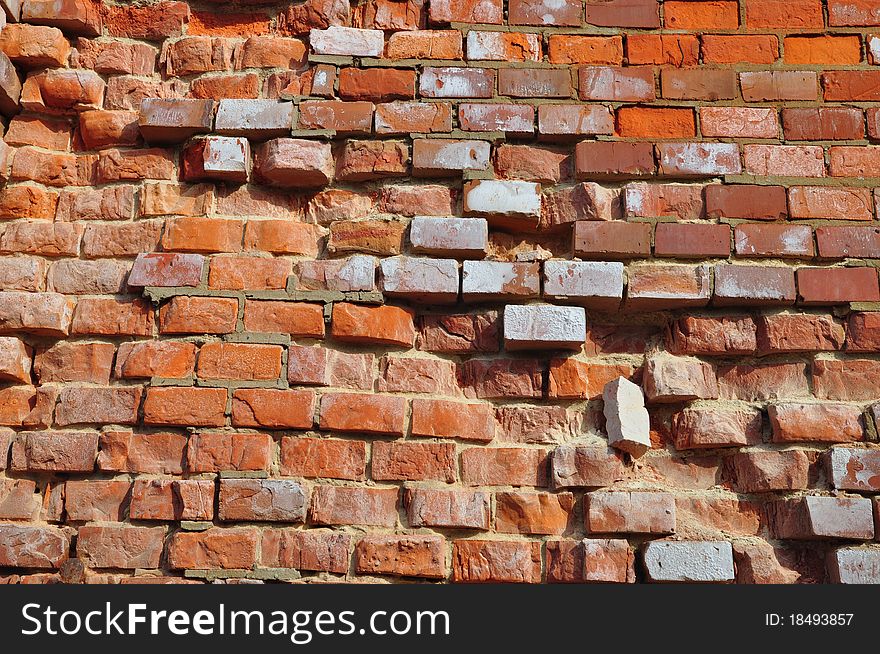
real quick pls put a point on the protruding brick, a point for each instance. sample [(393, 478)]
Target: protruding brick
[(254, 119), (174, 121), (626, 418), (295, 163), (822, 517)]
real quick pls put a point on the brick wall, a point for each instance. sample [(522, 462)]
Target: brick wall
[(346, 291)]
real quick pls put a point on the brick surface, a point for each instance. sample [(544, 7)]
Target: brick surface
[(445, 291)]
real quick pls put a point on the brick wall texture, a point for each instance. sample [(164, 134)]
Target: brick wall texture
[(449, 290)]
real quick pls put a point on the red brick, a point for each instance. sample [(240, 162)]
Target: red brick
[(848, 380), (843, 242), (185, 406), (33, 547), (403, 461), (94, 500), (762, 472), (461, 509), (404, 556), (798, 333), (336, 505), (614, 239), (623, 13), (753, 202), (382, 325), (314, 549), (613, 159), (629, 512), (837, 285), (214, 548), (634, 84), (273, 408), (120, 547), (655, 122), (798, 14), (294, 318), (776, 85), (652, 287), (826, 422), (720, 14), (376, 414), (845, 85), (493, 561), (688, 241), (197, 315), (712, 336), (863, 332), (110, 317), (669, 49), (504, 466), (157, 453), (709, 427), (823, 124), (830, 203), (55, 451), (218, 451), (730, 49), (762, 382), (323, 458)]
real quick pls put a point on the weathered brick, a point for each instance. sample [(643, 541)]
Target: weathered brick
[(493, 561), (689, 561)]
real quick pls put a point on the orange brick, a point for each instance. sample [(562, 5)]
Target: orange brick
[(565, 49), (698, 14), (730, 49), (655, 122), (820, 50)]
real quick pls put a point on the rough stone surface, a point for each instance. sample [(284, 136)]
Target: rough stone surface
[(626, 418)]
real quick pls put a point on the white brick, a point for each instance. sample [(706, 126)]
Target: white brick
[(257, 119), (456, 82), (500, 280), (544, 326), (503, 197), (450, 236), (689, 561), (439, 156), (854, 469), (355, 273), (227, 158), (626, 418), (494, 46), (420, 279), (854, 566), (596, 284), (347, 41)]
